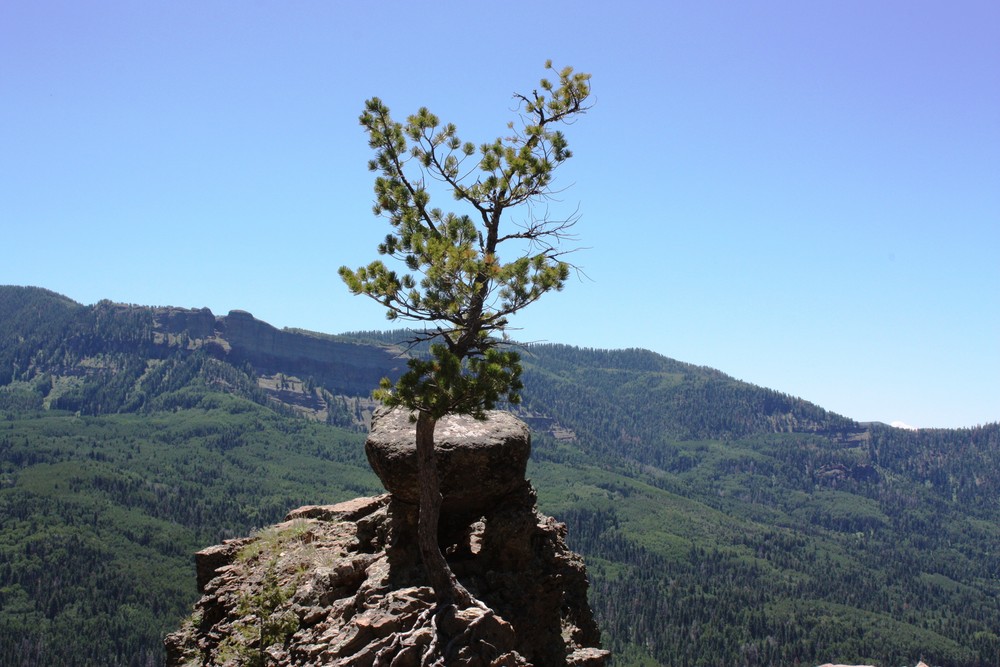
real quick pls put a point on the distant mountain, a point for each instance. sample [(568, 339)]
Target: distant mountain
[(723, 523), (113, 358), (110, 358)]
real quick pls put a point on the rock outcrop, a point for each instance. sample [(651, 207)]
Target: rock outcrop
[(240, 338), (479, 461), (343, 585), (195, 323), (342, 367)]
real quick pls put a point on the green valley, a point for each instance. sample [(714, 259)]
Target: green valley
[(722, 523)]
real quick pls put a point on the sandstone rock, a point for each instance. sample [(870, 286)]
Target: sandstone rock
[(479, 461), (343, 585)]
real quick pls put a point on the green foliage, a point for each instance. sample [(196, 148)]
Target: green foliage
[(32, 320), (459, 284), (99, 516), (270, 540), (755, 528), (265, 620), (721, 523), (753, 553), (440, 385)]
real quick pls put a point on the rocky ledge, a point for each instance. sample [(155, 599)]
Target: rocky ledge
[(343, 585)]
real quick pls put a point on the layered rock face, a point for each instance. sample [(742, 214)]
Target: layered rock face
[(343, 367), (241, 338), (344, 585)]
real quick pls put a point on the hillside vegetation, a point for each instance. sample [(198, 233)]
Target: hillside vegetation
[(722, 523)]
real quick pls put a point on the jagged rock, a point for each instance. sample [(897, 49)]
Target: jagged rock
[(343, 585), (479, 461)]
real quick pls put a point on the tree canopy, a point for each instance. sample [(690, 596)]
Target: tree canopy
[(457, 282)]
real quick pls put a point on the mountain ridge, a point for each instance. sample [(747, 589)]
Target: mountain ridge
[(352, 364), (753, 526)]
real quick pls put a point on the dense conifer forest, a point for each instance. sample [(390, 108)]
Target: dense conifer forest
[(722, 523)]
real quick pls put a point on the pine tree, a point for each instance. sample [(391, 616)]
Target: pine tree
[(457, 284)]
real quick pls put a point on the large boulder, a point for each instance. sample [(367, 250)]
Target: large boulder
[(479, 461)]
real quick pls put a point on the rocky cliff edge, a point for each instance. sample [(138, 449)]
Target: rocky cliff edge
[(343, 585)]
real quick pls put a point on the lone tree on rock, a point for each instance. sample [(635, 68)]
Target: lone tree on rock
[(458, 285)]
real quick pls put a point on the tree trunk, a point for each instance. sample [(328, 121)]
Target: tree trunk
[(446, 587)]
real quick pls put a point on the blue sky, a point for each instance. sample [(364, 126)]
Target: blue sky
[(804, 195)]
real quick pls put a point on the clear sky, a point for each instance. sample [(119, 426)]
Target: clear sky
[(804, 195)]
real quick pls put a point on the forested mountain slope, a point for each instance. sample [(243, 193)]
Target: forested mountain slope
[(722, 523)]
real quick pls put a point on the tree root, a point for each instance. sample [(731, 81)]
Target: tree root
[(454, 637)]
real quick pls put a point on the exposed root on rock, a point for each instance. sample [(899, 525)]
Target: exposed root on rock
[(346, 583), (445, 636)]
